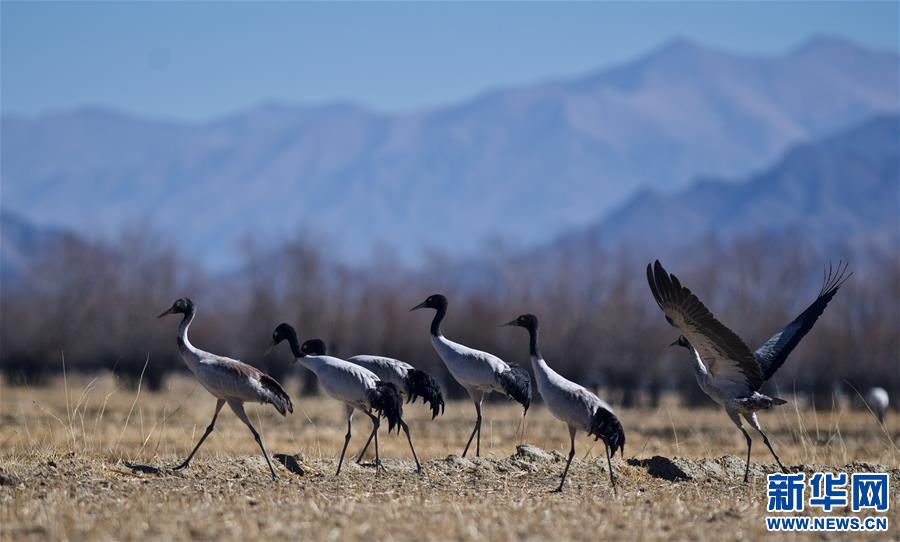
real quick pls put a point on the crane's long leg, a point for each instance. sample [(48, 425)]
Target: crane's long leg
[(612, 479), (749, 446), (238, 409), (478, 398), (766, 440), (524, 426), (411, 447), (346, 439), (737, 421), (366, 447), (755, 423), (478, 439), (209, 429), (562, 481), (376, 423)]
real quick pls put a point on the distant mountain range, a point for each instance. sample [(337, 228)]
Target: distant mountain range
[(837, 195), (524, 164), (840, 192)]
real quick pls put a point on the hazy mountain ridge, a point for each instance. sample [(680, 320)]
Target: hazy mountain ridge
[(842, 190), (524, 163)]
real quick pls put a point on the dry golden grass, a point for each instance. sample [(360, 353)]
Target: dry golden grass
[(64, 450)]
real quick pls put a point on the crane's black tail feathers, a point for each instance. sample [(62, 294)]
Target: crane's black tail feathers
[(276, 395), (385, 399), (758, 401), (605, 426), (421, 384), (516, 383)]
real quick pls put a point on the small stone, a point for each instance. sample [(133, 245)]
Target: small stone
[(290, 463)]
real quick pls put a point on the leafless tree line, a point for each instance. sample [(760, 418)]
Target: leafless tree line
[(95, 305)]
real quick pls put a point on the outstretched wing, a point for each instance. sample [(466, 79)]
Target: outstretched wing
[(772, 354), (725, 355)]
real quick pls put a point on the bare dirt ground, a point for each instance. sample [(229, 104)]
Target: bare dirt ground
[(65, 452)]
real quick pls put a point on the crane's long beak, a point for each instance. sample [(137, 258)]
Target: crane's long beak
[(512, 322), (674, 343), (269, 349), (419, 306), (170, 311)]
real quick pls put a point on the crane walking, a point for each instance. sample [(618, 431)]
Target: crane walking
[(725, 368), (357, 387), (229, 380), (478, 372), (572, 403), (412, 382)]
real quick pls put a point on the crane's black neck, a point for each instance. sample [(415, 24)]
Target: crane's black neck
[(534, 350), (440, 313), (294, 343)]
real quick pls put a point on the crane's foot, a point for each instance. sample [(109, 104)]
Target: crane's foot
[(182, 466), (376, 464)]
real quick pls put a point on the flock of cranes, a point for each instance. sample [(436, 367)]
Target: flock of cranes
[(725, 368)]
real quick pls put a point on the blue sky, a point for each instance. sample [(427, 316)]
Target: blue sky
[(202, 60)]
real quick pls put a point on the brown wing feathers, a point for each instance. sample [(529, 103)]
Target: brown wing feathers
[(670, 294), (280, 399), (274, 394)]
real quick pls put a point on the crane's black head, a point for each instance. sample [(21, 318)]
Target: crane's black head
[(528, 321), (435, 301), (682, 342), (283, 332), (314, 347), (181, 306)]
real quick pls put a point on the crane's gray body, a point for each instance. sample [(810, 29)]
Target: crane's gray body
[(566, 400), (478, 372), (225, 378), (387, 369), (342, 380)]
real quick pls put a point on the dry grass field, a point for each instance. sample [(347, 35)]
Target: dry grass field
[(65, 452)]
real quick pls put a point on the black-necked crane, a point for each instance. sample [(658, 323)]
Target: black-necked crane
[(478, 372), (572, 403), (229, 380), (878, 400), (412, 383), (357, 387), (725, 368)]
